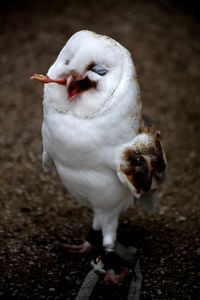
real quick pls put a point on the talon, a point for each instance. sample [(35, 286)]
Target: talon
[(84, 248), (118, 279), (117, 269)]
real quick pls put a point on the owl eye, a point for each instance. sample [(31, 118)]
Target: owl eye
[(99, 70)]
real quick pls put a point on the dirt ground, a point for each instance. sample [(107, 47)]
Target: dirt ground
[(36, 210)]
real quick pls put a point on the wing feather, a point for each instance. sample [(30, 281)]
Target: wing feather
[(141, 163)]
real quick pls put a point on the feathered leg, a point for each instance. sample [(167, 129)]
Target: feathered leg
[(116, 269)]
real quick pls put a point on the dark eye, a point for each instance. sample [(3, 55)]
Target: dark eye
[(99, 69), (67, 62)]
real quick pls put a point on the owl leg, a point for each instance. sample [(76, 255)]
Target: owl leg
[(116, 268)]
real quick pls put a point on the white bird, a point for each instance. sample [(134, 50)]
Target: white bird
[(92, 124)]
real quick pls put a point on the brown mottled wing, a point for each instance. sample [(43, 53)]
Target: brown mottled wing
[(143, 161)]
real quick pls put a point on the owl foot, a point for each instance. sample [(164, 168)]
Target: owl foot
[(113, 268), (93, 242), (83, 248), (112, 278)]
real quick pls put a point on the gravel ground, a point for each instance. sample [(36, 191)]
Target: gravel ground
[(36, 210)]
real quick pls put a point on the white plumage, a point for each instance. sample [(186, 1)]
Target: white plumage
[(89, 118)]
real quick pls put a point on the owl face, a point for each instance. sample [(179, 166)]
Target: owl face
[(97, 70)]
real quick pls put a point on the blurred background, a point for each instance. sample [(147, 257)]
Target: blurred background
[(36, 210)]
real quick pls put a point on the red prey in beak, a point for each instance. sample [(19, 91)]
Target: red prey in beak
[(47, 79), (75, 84)]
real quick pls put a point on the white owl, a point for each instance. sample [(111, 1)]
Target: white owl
[(92, 124)]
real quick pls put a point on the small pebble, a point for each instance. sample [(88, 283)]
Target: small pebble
[(181, 218), (158, 291)]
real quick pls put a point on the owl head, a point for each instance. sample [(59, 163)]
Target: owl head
[(94, 71)]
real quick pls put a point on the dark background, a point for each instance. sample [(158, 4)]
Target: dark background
[(35, 209)]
